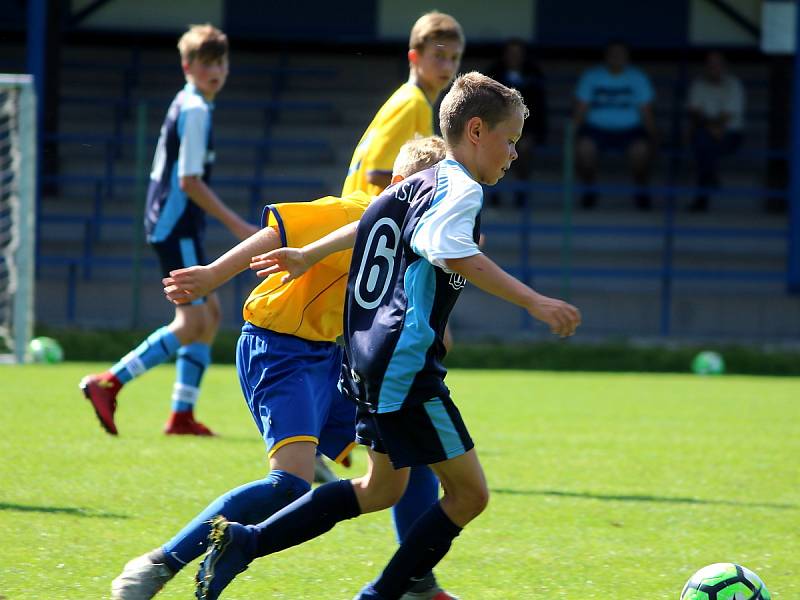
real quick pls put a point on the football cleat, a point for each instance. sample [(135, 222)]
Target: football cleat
[(101, 390), (142, 578), (229, 553), (183, 423)]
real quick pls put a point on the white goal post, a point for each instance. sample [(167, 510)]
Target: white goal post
[(17, 214)]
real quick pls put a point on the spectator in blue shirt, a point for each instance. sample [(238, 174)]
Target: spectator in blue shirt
[(614, 112)]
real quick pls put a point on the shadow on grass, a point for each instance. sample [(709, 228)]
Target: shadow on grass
[(64, 510), (643, 498)]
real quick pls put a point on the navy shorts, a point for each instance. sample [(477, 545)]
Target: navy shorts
[(179, 252), (422, 434), (613, 139), (291, 388)]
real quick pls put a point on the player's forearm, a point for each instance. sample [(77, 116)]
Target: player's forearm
[(484, 273), (336, 241), (237, 259), (205, 198)]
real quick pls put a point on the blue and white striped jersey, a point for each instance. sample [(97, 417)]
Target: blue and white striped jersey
[(399, 293), (185, 147)]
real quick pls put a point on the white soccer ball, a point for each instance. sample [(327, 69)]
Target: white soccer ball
[(45, 350)]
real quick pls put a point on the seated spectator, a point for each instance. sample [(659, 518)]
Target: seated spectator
[(614, 113), (518, 70), (716, 109)]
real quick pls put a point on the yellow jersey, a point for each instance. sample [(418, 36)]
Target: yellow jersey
[(310, 307), (405, 115)]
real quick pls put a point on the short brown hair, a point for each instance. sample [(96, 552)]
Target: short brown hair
[(205, 42), (418, 155), (476, 95), (434, 26)]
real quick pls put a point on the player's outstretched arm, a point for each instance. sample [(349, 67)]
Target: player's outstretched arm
[(480, 270), (202, 195), (296, 261), (191, 283)]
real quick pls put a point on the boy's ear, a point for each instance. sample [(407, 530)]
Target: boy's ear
[(413, 56), (397, 178), (474, 129), (185, 67)]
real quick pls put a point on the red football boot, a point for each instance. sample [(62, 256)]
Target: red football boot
[(183, 423), (101, 390)]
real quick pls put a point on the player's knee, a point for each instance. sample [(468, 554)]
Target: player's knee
[(471, 501)]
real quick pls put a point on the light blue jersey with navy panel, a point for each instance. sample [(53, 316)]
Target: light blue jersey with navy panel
[(615, 99), (400, 293), (185, 147)]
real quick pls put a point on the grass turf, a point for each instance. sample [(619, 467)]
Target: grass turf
[(603, 486)]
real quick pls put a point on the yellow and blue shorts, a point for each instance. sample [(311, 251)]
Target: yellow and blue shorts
[(290, 385)]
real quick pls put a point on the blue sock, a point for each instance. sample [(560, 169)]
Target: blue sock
[(307, 517), (425, 545), (421, 493), (247, 504), (158, 347), (189, 369)]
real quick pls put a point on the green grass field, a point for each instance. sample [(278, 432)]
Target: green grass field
[(603, 486)]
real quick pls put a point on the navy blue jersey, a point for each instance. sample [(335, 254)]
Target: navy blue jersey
[(185, 147), (399, 295)]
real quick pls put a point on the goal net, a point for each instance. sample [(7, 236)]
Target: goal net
[(17, 214)]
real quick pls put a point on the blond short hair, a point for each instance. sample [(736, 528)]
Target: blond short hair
[(434, 26), (418, 155), (476, 95), (204, 42)]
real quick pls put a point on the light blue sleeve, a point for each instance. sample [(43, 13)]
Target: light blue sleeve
[(585, 88), (193, 131), (446, 229)]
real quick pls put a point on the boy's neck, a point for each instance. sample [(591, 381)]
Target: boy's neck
[(462, 157), (431, 94), (209, 97)]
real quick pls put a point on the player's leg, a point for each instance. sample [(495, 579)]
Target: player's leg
[(432, 431), (102, 389), (196, 326), (250, 503), (235, 546), (284, 382)]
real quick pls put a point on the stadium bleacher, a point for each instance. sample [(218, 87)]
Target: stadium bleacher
[(285, 129)]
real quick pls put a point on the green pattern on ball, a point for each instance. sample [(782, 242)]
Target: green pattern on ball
[(709, 583)]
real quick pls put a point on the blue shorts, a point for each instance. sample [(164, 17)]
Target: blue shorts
[(291, 387), (178, 253), (422, 434)]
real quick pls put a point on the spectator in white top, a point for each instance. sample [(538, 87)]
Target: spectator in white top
[(716, 110)]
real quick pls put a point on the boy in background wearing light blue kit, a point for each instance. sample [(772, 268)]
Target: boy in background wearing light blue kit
[(178, 199)]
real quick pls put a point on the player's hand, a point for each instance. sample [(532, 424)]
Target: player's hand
[(562, 317), (291, 260), (186, 285)]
